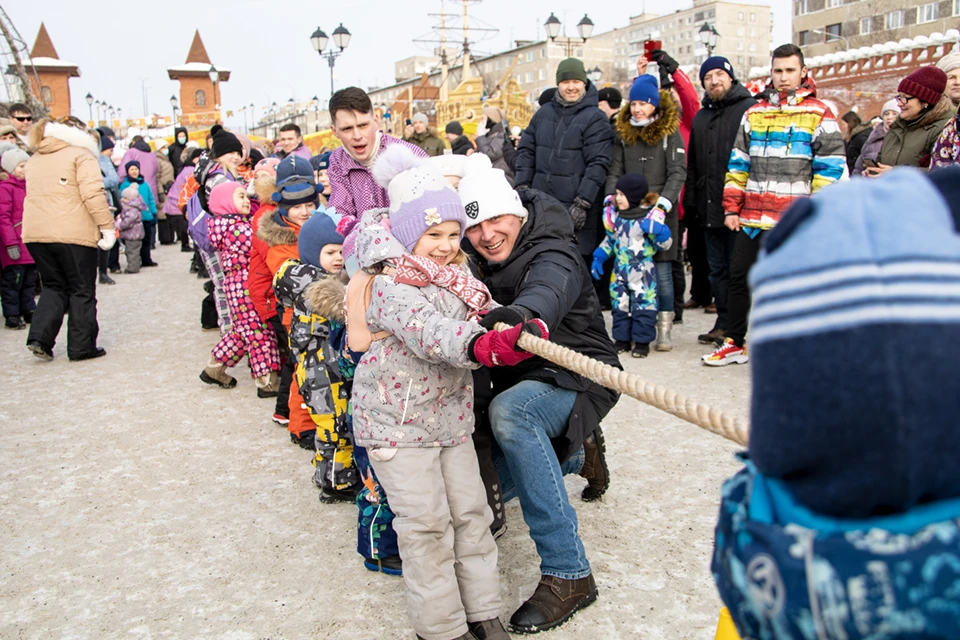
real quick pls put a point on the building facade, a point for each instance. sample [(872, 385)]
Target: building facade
[(200, 99), (828, 26), (53, 73)]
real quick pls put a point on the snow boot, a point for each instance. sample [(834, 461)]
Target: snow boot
[(216, 373), (622, 346), (640, 350), (268, 385), (664, 329)]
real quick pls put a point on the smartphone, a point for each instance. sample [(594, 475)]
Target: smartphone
[(870, 163), (651, 45), (409, 121)]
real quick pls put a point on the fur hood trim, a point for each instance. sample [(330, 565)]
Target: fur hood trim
[(72, 136), (941, 110), (274, 234), (326, 296), (667, 124)]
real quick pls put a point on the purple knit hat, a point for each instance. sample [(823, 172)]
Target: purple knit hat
[(420, 196)]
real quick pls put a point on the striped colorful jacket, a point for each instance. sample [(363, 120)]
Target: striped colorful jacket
[(789, 145)]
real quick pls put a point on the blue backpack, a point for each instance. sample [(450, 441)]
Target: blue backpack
[(197, 223)]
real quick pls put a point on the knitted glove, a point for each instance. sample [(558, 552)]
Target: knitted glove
[(658, 232), (499, 348), (108, 238), (14, 252), (578, 211), (512, 315), (599, 258)]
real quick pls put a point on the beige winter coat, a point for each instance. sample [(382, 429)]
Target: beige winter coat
[(165, 178), (65, 199)]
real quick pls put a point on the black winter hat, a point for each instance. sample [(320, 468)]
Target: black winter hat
[(224, 142), (547, 96), (455, 128), (611, 95), (635, 187)]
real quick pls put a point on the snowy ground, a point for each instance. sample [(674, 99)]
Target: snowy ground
[(140, 503)]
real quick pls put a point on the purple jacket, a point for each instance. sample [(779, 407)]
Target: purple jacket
[(871, 148), (130, 219), (13, 191), (303, 151), (170, 206), (148, 166)]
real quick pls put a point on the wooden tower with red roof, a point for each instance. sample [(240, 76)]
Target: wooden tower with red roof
[(200, 97), (54, 75)]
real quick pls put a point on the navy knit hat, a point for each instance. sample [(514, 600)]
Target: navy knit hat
[(635, 187), (716, 62), (295, 185), (853, 346), (132, 163), (645, 88), (321, 162), (106, 143), (316, 233)]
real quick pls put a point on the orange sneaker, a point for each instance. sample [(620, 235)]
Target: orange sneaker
[(727, 353)]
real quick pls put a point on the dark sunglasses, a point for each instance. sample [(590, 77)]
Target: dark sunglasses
[(23, 118)]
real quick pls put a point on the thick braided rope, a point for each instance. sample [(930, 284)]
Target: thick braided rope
[(713, 420)]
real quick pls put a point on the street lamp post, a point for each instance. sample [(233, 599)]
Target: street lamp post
[(316, 114), (90, 105), (97, 104), (120, 120), (831, 36), (173, 104), (319, 40), (709, 36), (110, 111), (595, 75), (215, 79), (584, 28)]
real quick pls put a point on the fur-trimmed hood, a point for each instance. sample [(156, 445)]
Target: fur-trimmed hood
[(666, 124), (50, 137), (326, 296), (275, 234), (943, 109)]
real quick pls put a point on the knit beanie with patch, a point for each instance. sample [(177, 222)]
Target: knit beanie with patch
[(645, 89), (716, 62), (852, 337), (571, 69), (316, 233), (224, 142), (485, 192), (11, 158), (419, 195), (927, 84), (635, 187)]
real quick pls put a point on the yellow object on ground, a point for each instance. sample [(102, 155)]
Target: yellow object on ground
[(725, 628)]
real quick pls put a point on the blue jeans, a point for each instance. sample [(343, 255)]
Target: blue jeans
[(664, 286), (523, 419)]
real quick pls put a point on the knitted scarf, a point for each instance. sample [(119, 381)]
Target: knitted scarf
[(420, 271)]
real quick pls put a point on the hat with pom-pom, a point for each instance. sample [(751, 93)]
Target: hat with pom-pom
[(420, 196), (485, 192), (224, 142), (295, 183)]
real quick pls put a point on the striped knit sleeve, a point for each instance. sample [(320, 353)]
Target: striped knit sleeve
[(829, 155), (738, 169)]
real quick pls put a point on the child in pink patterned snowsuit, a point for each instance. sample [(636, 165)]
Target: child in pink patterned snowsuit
[(231, 235)]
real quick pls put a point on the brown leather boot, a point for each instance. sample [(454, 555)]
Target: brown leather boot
[(553, 603), (594, 468), (489, 630)]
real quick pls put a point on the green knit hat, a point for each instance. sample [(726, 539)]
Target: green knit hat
[(571, 69)]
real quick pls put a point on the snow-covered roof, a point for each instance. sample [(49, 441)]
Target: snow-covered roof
[(51, 62), (863, 53), (196, 67)]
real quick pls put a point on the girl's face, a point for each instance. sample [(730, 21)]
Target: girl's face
[(241, 201), (889, 117), (622, 203), (331, 258), (19, 171), (322, 178), (230, 160), (440, 243), (641, 110), (133, 172), (300, 213)]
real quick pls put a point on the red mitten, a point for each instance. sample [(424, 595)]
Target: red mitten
[(499, 348)]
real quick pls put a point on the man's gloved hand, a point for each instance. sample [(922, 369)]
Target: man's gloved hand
[(499, 348), (108, 238), (663, 59), (14, 252), (599, 258), (578, 211), (512, 315)]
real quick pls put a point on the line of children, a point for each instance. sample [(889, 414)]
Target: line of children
[(230, 235), (129, 222), (19, 279), (149, 216), (635, 232)]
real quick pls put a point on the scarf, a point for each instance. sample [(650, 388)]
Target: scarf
[(376, 152), (419, 272), (642, 123)]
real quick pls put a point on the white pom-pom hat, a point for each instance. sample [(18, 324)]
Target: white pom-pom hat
[(420, 196), (485, 192)]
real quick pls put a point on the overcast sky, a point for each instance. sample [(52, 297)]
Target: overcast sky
[(266, 43)]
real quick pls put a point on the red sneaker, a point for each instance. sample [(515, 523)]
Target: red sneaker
[(281, 420), (727, 353)]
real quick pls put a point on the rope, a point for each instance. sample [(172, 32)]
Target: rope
[(712, 420)]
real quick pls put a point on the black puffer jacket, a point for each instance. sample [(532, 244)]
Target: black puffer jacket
[(708, 153), (546, 275), (565, 150), (176, 150)]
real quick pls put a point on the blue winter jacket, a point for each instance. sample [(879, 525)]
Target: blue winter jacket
[(150, 215)]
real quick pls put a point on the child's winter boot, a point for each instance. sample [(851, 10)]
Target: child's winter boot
[(216, 373), (15, 322), (664, 329), (268, 385), (641, 350)]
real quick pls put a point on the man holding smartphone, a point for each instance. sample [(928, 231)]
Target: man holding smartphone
[(789, 145)]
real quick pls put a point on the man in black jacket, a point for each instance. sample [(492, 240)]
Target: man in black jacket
[(545, 419), (708, 153), (565, 151)]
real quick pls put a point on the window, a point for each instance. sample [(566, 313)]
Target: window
[(497, 65), (895, 20), (543, 53), (46, 94), (753, 32), (956, 7), (832, 33), (804, 38), (542, 75), (739, 31), (866, 26), (928, 13), (753, 17), (740, 16), (834, 3), (740, 45), (529, 56), (739, 59), (711, 13), (200, 98), (529, 77), (803, 7), (753, 46)]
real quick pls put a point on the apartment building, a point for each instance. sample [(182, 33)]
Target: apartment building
[(827, 26)]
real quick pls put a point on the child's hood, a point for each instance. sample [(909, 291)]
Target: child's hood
[(326, 296), (132, 192), (375, 243)]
